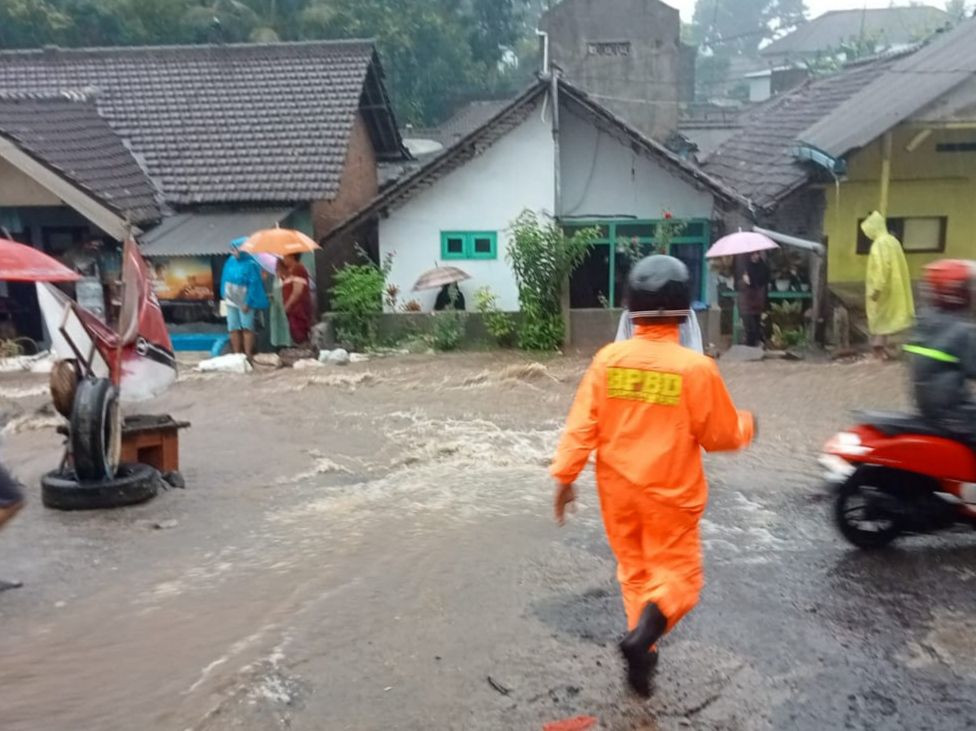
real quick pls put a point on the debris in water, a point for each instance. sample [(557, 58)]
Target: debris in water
[(580, 723), (351, 380), (476, 379), (31, 423), (165, 524), (5, 585), (498, 686), (526, 372), (306, 364)]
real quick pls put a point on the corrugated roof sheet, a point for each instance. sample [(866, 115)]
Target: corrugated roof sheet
[(207, 233), (887, 27), (229, 123), (758, 161), (66, 133), (909, 85)]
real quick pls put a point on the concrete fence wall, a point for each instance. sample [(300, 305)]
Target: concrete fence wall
[(590, 329)]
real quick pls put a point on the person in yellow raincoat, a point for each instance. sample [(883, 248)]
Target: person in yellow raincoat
[(889, 302), (648, 406)]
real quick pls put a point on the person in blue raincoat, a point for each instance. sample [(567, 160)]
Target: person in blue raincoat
[(243, 295)]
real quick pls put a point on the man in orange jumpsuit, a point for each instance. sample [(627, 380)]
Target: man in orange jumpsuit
[(648, 406)]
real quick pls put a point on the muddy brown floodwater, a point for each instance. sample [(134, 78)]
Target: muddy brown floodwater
[(371, 547)]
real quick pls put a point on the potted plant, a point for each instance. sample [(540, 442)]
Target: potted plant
[(782, 275)]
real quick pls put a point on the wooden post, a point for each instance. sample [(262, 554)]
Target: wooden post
[(818, 286), (567, 315), (886, 145)]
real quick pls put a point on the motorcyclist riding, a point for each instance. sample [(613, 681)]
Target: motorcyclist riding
[(943, 349)]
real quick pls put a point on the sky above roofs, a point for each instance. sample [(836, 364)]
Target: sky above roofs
[(816, 7)]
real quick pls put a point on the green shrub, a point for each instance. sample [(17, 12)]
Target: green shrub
[(500, 325), (542, 256), (447, 328), (357, 299)]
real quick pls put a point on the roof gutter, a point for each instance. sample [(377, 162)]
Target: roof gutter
[(794, 241), (808, 153)]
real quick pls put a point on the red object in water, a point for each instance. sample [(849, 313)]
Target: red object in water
[(20, 263), (580, 723), (667, 215)]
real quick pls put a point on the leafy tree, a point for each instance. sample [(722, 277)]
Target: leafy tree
[(27, 23), (424, 48), (225, 21), (740, 26), (956, 10), (155, 21)]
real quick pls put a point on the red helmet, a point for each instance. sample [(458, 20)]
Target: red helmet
[(950, 283)]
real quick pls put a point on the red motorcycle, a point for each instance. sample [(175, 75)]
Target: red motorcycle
[(897, 474)]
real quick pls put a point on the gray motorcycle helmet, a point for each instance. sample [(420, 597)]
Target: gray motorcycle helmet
[(659, 286)]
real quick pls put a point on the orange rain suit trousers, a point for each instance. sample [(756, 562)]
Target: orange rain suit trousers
[(648, 406)]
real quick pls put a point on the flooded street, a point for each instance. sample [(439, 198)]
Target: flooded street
[(372, 547)]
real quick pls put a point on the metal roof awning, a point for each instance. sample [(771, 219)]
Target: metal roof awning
[(207, 233)]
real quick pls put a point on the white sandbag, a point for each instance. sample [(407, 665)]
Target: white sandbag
[(271, 360), (231, 363), (339, 356)]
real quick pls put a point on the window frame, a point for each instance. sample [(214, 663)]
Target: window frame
[(608, 237), (467, 247), (896, 227)]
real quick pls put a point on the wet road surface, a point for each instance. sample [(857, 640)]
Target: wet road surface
[(372, 548)]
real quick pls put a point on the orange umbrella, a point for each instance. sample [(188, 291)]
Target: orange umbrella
[(279, 241)]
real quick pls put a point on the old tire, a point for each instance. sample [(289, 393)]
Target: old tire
[(857, 515), (96, 430), (132, 484)]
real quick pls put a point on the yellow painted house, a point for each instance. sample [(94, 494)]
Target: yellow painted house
[(931, 198), (895, 133)]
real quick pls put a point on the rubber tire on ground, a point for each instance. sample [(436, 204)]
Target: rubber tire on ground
[(132, 484), (96, 429), (867, 540)]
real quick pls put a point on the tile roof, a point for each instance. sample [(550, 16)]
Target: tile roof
[(66, 134), (906, 87), (888, 27), (504, 121), (229, 123), (758, 160)]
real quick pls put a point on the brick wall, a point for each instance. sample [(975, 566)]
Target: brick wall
[(360, 184)]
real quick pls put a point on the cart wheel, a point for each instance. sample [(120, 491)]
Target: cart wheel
[(64, 385), (96, 430), (132, 484)]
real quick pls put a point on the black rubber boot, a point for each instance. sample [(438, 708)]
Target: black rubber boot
[(637, 650)]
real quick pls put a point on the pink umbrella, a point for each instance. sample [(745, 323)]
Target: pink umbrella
[(268, 262), (741, 242)]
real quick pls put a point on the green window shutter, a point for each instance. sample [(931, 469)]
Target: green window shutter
[(483, 245), (453, 245), (469, 245)]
